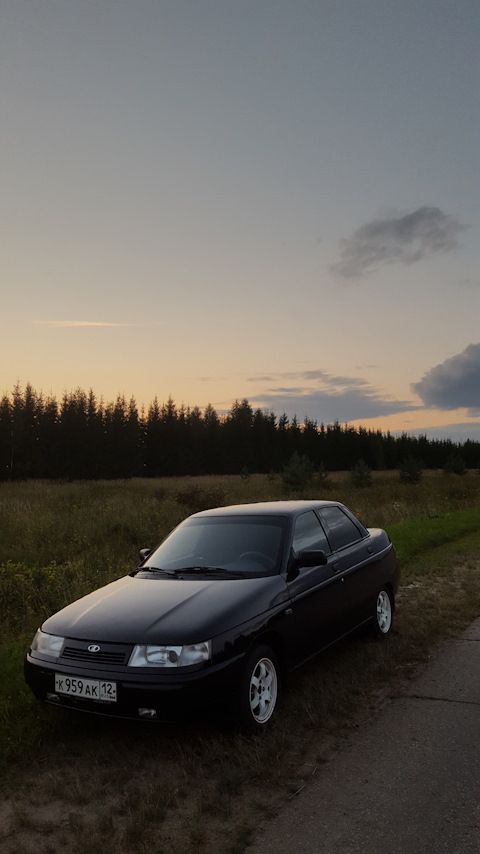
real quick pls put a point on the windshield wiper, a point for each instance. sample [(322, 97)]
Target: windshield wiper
[(189, 570), (170, 572), (209, 570)]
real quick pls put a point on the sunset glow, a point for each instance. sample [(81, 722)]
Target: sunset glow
[(275, 201)]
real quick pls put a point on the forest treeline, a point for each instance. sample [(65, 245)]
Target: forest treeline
[(81, 437)]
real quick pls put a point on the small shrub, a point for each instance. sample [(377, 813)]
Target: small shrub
[(410, 471), (297, 473), (455, 465), (322, 477), (361, 475), (197, 498)]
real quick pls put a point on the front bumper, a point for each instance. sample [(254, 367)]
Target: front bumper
[(154, 695)]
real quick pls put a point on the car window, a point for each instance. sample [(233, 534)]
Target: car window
[(309, 534), (342, 530), (250, 545)]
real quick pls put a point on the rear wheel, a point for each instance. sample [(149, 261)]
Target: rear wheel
[(260, 687), (383, 613)]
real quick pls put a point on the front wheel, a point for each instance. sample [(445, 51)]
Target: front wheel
[(260, 687), (383, 613)]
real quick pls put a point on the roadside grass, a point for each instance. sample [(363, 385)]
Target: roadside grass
[(431, 536), (79, 784)]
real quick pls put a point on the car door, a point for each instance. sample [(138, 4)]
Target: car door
[(318, 594), (353, 560)]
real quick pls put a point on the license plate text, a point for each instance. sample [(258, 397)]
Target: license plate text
[(86, 689)]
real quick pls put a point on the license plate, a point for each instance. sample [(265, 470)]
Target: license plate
[(86, 689)]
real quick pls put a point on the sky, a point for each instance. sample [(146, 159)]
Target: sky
[(276, 200)]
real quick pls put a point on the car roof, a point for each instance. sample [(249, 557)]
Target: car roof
[(268, 508)]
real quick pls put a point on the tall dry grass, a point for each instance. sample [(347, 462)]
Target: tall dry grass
[(61, 540)]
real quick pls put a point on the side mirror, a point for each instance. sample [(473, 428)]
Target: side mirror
[(308, 557), (144, 554)]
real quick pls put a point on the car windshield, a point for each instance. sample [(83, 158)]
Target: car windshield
[(238, 545)]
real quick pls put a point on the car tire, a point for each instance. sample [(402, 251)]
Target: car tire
[(260, 689), (383, 613)]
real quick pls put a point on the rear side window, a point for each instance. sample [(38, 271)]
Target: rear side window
[(309, 534), (342, 531)]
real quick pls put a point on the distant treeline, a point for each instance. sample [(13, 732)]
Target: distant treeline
[(82, 437)]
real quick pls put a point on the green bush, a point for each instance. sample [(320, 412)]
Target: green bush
[(322, 477), (297, 474), (197, 498), (455, 465), (361, 475), (410, 470)]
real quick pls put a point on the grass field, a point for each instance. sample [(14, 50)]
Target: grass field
[(171, 789)]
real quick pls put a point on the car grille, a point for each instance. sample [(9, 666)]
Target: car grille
[(105, 655)]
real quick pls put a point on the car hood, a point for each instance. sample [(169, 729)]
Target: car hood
[(175, 611)]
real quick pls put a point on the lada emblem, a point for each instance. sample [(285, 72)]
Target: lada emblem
[(93, 648)]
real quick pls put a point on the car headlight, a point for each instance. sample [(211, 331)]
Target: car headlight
[(170, 656), (47, 644)]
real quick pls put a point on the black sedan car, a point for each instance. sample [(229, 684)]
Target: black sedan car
[(231, 601)]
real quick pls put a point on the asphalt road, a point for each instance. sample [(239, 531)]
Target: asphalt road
[(406, 782)]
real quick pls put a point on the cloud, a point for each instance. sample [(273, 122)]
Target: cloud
[(327, 379), (324, 397), (69, 323), (397, 240), (454, 384)]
